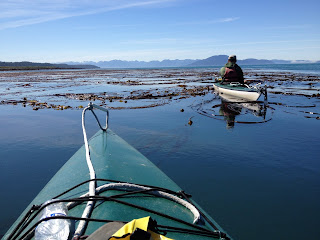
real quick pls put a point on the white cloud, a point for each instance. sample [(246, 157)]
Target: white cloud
[(214, 21), (190, 42), (270, 42), (161, 41), (18, 13), (290, 27), (228, 19)]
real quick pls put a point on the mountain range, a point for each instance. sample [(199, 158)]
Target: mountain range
[(218, 60), (214, 61), (138, 64)]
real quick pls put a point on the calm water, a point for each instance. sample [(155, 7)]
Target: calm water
[(313, 68), (258, 181)]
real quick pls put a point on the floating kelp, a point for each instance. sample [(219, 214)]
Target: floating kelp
[(137, 88)]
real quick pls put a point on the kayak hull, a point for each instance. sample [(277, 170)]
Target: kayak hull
[(239, 91)]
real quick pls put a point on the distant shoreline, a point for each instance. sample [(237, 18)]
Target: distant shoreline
[(18, 66), (35, 68)]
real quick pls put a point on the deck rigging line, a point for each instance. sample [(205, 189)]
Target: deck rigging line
[(92, 185), (36, 209)]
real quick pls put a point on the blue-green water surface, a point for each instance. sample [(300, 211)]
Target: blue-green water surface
[(258, 180), (307, 68)]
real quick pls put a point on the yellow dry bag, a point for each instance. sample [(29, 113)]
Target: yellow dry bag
[(138, 229)]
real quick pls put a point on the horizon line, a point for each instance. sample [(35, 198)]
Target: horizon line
[(148, 61)]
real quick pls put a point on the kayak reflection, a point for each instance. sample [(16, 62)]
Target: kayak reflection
[(232, 108)]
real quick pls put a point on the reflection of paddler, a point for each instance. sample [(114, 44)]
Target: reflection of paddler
[(229, 111)]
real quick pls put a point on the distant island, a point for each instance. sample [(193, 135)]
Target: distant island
[(11, 66), (214, 61)]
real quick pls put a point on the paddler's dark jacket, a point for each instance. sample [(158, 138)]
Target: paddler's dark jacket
[(238, 69)]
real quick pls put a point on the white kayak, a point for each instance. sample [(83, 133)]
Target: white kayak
[(238, 90)]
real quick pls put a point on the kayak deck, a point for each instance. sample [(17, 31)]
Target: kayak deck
[(115, 159)]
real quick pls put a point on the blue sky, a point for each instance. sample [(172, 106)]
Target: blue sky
[(145, 30)]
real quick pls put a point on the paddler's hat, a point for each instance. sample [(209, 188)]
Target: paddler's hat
[(232, 58)]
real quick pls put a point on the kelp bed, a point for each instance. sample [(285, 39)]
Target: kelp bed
[(133, 88)]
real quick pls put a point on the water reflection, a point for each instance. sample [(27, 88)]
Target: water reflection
[(232, 109), (229, 111)]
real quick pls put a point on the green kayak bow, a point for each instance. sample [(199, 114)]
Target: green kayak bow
[(118, 184)]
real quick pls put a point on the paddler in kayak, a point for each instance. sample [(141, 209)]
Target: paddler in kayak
[(231, 72)]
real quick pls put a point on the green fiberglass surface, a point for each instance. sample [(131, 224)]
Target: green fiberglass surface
[(114, 159)]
